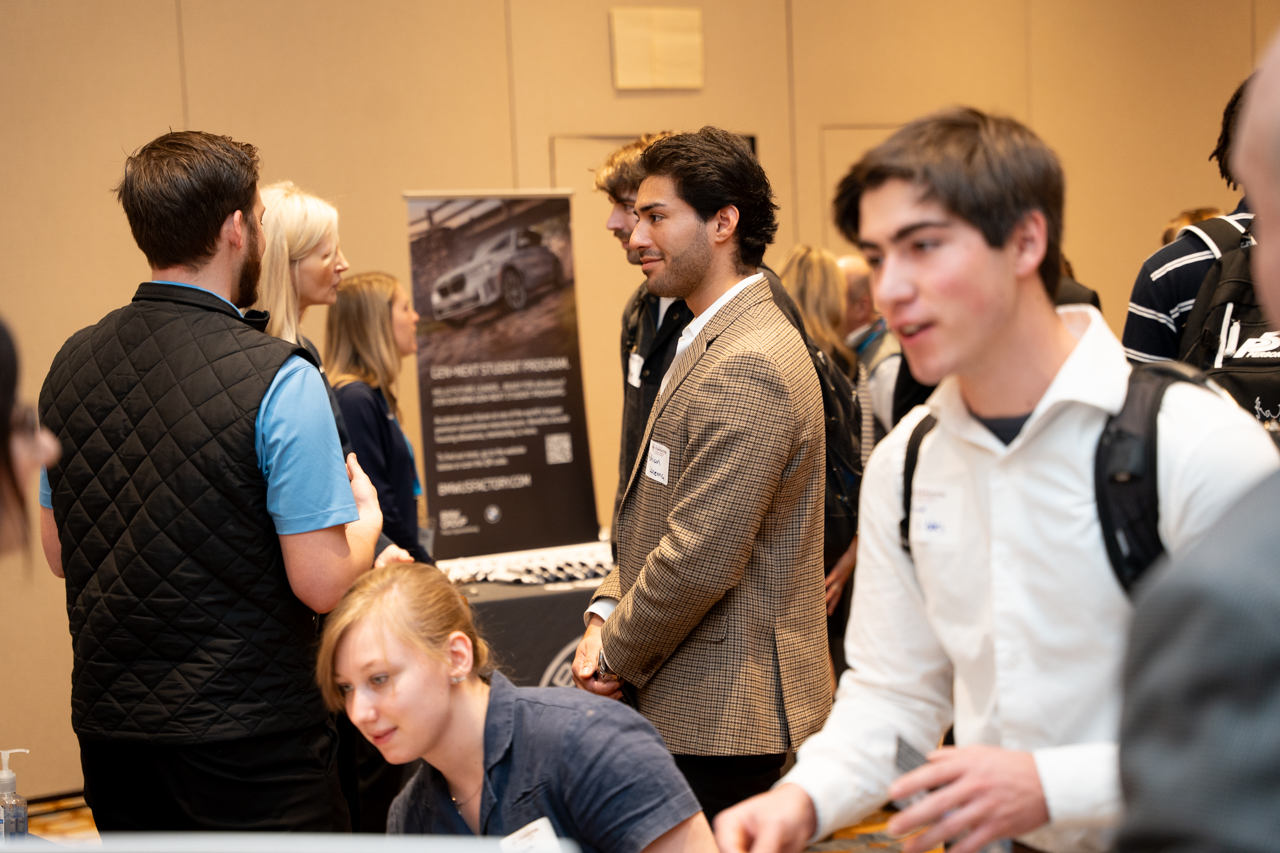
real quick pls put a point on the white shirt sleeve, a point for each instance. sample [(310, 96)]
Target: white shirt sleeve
[(900, 680), (602, 607), (1081, 783)]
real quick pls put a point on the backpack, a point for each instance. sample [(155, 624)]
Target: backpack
[(1124, 474), (841, 416), (1228, 335), (843, 464)]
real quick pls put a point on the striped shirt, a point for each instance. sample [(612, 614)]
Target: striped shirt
[(1166, 290)]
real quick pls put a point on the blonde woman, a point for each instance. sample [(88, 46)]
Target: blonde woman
[(813, 279), (302, 262), (401, 656), (372, 327)]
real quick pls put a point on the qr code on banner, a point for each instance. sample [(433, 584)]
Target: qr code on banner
[(559, 448)]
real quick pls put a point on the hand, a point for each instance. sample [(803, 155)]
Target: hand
[(392, 554), (363, 491), (585, 676), (985, 793), (840, 574), (780, 821)]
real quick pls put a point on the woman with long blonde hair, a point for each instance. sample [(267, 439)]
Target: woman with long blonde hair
[(813, 278), (371, 328), (302, 262), (401, 655)]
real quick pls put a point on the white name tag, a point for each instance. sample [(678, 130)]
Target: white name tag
[(537, 837), (936, 517), (633, 369), (658, 461)]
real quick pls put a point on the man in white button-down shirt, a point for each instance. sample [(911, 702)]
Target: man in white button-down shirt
[(1005, 619)]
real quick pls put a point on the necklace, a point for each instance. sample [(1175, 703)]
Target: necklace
[(459, 805)]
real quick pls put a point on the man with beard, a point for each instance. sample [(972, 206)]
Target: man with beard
[(201, 515), (714, 620)]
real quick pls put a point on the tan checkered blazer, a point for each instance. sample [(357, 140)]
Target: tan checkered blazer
[(720, 622)]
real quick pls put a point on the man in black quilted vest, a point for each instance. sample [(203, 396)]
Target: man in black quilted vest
[(201, 515)]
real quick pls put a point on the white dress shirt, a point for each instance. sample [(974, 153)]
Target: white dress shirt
[(604, 607), (1009, 621)]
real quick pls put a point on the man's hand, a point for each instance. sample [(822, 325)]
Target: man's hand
[(585, 675), (984, 793), (780, 821), (392, 554), (840, 574)]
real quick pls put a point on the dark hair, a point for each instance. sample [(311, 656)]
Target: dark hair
[(713, 169), (1230, 115), (621, 174), (10, 493), (988, 170), (178, 189)]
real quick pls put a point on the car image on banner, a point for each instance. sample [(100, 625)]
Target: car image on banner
[(507, 266)]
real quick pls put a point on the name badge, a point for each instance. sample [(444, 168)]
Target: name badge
[(935, 517), (633, 369), (658, 461), (536, 837)]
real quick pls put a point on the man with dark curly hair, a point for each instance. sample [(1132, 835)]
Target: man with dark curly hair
[(713, 623)]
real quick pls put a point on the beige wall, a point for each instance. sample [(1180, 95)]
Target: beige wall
[(360, 101)]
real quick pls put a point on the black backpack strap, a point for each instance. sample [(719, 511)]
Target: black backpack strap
[(1125, 471), (1220, 234), (927, 423)]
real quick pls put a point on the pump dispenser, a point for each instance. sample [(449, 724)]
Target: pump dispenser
[(13, 808)]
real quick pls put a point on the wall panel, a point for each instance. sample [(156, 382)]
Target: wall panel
[(1133, 121), (563, 84), (359, 103), (84, 84), (869, 63)]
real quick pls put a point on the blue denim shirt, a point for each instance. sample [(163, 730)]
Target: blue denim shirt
[(592, 766)]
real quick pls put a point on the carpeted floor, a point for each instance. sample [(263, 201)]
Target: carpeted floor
[(61, 819)]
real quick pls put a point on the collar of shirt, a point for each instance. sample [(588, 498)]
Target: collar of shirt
[(195, 287), (697, 323), (1095, 373), (499, 719)]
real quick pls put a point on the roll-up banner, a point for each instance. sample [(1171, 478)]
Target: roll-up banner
[(499, 373)]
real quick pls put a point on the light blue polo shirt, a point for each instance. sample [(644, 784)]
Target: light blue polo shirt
[(298, 451)]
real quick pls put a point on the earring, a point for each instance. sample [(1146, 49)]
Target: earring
[(457, 679)]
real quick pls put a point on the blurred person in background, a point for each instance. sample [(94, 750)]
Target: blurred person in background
[(28, 445), (371, 329), (1169, 280), (878, 351), (1187, 217), (401, 655), (813, 279)]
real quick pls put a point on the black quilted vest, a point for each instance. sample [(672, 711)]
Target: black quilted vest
[(183, 624)]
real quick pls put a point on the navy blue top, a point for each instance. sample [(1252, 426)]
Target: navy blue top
[(592, 766), (383, 453), (1165, 291)]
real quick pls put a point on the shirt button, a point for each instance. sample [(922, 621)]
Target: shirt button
[(644, 373)]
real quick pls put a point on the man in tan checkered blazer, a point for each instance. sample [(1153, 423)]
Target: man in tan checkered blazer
[(713, 624)]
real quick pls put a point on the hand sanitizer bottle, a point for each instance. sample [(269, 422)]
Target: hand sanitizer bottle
[(13, 809)]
